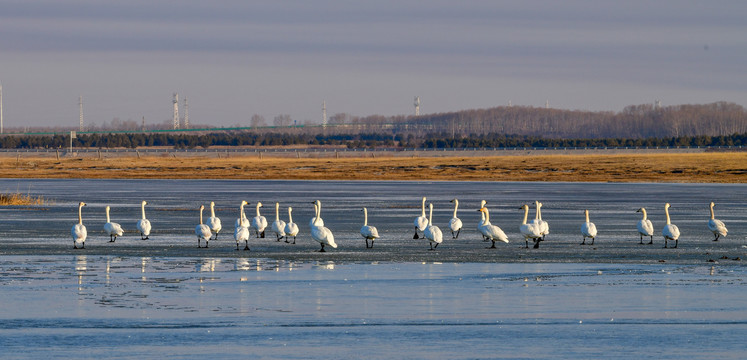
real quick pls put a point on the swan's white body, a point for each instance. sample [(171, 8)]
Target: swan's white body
[(291, 228), (320, 233), (490, 231), (259, 223), (367, 231), (79, 231), (529, 231), (455, 224), (543, 226), (111, 228), (645, 227), (143, 225), (432, 232), (202, 231), (241, 231), (670, 231), (214, 221), (278, 226), (421, 222), (717, 227), (588, 229)]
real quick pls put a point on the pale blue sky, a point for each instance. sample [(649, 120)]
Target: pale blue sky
[(236, 58)]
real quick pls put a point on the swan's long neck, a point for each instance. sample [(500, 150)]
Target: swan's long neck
[(587, 215), (666, 210), (277, 211), (201, 215), (644, 213), (526, 214), (80, 214), (430, 216), (258, 209), (142, 209), (456, 205), (241, 211), (537, 215), (712, 215), (318, 212), (487, 215), (212, 209), (290, 216), (365, 217), (422, 208), (107, 214)]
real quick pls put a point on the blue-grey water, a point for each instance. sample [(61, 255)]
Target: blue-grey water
[(165, 298)]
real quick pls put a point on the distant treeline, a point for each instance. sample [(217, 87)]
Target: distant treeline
[(353, 141)]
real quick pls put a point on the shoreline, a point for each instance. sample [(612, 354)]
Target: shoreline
[(702, 167)]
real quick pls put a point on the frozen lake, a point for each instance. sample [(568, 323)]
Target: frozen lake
[(82, 306), (164, 296)]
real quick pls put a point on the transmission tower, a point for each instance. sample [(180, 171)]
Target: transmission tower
[(80, 111), (186, 114), (176, 111), (324, 113), (417, 106)]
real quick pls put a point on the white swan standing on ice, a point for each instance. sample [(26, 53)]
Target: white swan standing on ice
[(670, 231), (278, 226), (645, 227), (543, 226), (588, 229), (421, 222), (202, 231), (367, 231), (111, 228), (531, 230), (320, 233), (491, 231), (259, 222), (432, 232), (79, 231), (241, 231), (716, 226), (291, 228), (214, 221), (455, 224), (143, 225)]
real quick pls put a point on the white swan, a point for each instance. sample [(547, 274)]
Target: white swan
[(530, 231), (491, 231), (645, 227), (143, 225), (421, 222), (670, 231), (259, 223), (214, 221), (320, 233), (588, 229), (432, 232), (291, 228), (482, 219), (79, 231), (314, 219), (111, 228), (716, 226), (278, 226), (241, 231), (368, 231), (455, 224), (202, 231), (544, 227), (242, 220)]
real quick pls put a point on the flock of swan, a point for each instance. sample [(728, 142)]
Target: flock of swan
[(535, 230)]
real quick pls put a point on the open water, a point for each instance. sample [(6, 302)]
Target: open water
[(165, 298)]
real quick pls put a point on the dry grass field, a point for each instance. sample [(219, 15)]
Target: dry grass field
[(711, 167)]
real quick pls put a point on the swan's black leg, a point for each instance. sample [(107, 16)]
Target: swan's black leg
[(322, 250), (246, 247), (493, 245), (457, 235), (416, 234), (592, 241), (584, 242)]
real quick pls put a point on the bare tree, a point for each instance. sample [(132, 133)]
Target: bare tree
[(282, 120), (257, 121)]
